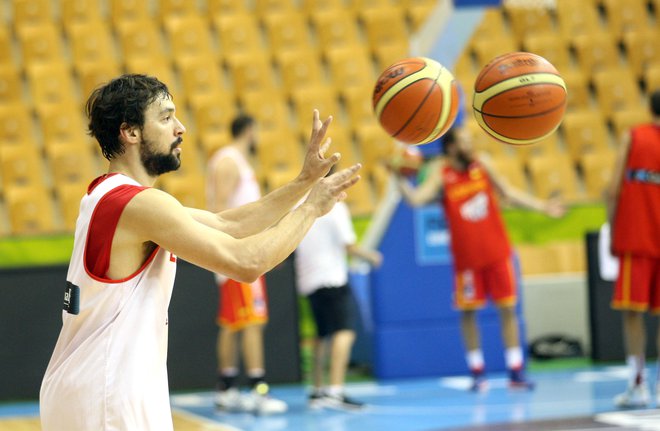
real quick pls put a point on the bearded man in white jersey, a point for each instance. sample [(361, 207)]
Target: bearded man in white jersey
[(108, 370)]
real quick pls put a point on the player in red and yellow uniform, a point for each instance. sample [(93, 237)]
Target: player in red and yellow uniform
[(634, 210), (480, 246)]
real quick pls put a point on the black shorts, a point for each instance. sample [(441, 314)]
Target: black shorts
[(333, 309)]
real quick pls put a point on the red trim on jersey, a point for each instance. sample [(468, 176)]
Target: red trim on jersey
[(98, 181), (101, 231)]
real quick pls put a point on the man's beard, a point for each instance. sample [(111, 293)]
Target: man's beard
[(158, 164)]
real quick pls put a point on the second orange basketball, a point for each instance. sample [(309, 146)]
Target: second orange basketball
[(416, 100), (519, 98)]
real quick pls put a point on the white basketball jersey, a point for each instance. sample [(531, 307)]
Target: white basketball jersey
[(108, 370), (247, 189)]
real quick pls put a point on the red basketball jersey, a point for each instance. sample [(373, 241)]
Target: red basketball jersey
[(637, 218), (478, 237)]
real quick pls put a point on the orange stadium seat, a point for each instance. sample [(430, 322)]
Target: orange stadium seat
[(342, 142), (528, 21), (140, 38), (123, 12), (51, 84), (300, 69), (642, 49), (30, 210), (190, 37), (616, 90), (584, 132), (279, 177), (578, 95), (548, 46), (595, 51), (597, 171), (288, 32), (11, 85), (625, 16), (482, 142), (573, 21), (15, 125), (41, 44), (91, 43), (31, 13), (554, 176), (21, 166)]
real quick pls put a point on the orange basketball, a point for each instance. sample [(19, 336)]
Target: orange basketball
[(519, 98), (416, 100)]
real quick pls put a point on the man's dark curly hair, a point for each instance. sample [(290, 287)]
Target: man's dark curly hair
[(122, 100)]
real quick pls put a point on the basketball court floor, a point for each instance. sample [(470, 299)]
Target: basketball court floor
[(577, 399)]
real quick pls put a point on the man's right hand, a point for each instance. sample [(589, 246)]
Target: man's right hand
[(316, 165), (331, 189)]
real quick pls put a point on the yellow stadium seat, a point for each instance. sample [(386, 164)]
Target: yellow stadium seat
[(212, 115), (61, 125), (309, 98), (270, 110), (418, 12), (547, 146), (140, 38), (624, 16), (577, 90), (287, 32), (335, 29), (537, 259), (492, 25), (267, 9), (226, 7), (548, 46), (31, 12), (622, 121), (317, 7), (124, 12), (360, 199), (300, 69), (573, 21), (528, 21), (554, 176), (251, 72), (41, 44), (584, 132), (238, 35), (384, 26), (69, 196), (21, 166), (351, 67), (488, 48), (386, 55), (483, 142), (642, 49), (6, 54), (15, 125), (30, 210), (597, 170), (342, 142), (91, 43), (72, 162), (279, 177), (595, 51), (357, 101), (11, 86), (187, 189), (652, 77), (51, 84), (510, 169), (190, 37), (375, 145), (173, 10), (616, 90), (278, 150), (201, 76), (92, 75), (76, 12), (154, 66)]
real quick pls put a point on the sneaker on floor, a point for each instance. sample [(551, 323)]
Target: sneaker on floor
[(479, 383), (229, 400), (518, 381), (340, 402), (263, 403), (634, 397), (315, 399)]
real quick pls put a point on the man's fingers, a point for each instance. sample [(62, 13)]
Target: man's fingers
[(325, 146)]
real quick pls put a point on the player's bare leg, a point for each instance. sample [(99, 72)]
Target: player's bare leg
[(228, 396), (634, 337)]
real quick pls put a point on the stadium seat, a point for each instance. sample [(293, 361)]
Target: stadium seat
[(28, 13), (91, 75), (584, 132), (76, 12), (488, 48), (529, 21), (300, 69), (375, 145), (319, 7), (62, 125), (307, 99), (418, 12), (21, 166), (11, 85), (385, 55), (548, 46), (342, 142), (358, 106), (360, 199), (577, 90), (124, 12), (68, 197), (226, 7), (336, 29), (269, 109), (72, 163), (288, 32), (157, 66), (543, 148), (189, 37), (574, 21), (350, 67), (511, 170), (595, 51), (187, 189), (6, 54), (384, 26), (251, 73), (201, 76), (597, 172), (267, 10), (15, 125), (212, 115), (570, 256), (623, 120), (279, 177), (238, 35), (30, 210), (278, 150), (554, 176), (537, 259), (171, 11), (492, 25), (140, 38), (91, 43), (51, 84), (482, 142), (616, 90), (652, 77), (40, 44), (642, 49), (625, 16)]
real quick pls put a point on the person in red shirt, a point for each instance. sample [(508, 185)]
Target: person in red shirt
[(483, 266), (633, 204)]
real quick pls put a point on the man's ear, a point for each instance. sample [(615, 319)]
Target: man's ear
[(129, 134)]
